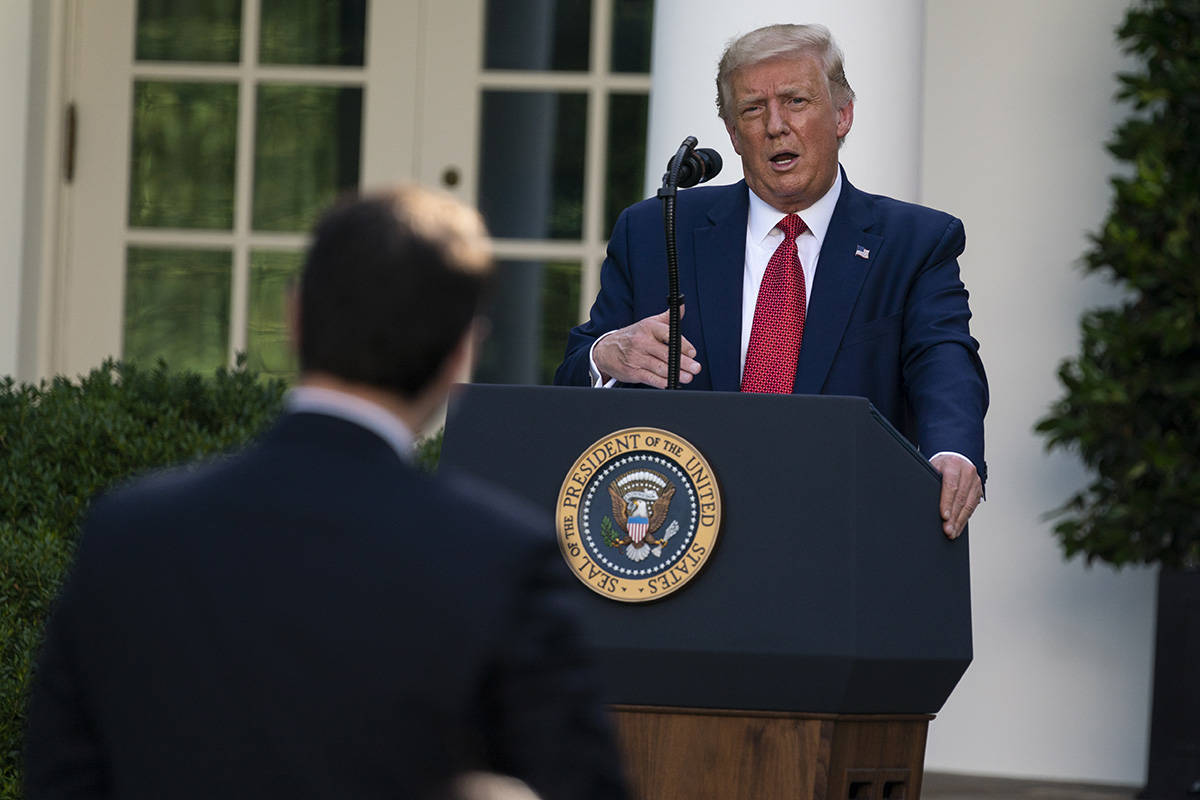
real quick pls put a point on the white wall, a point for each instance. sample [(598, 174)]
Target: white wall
[(883, 64), (1018, 101), (15, 31)]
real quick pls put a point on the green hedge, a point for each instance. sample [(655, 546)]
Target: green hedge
[(60, 443)]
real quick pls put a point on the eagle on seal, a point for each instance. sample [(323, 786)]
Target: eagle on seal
[(639, 502)]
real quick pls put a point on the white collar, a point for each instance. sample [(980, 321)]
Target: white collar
[(355, 409), (763, 218)]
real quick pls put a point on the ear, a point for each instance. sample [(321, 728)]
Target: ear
[(461, 361), (429, 405), (292, 312), (733, 137), (845, 118)]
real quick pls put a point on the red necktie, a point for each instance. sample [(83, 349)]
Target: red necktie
[(778, 318)]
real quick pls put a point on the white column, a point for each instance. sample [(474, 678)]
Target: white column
[(15, 45), (883, 65), (1018, 105)]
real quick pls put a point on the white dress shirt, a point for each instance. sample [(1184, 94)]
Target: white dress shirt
[(763, 239)]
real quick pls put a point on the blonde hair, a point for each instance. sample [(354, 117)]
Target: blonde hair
[(782, 41)]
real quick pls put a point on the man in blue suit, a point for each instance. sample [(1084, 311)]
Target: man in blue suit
[(316, 617), (861, 296)]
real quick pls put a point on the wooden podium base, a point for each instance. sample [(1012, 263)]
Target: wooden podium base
[(697, 753)]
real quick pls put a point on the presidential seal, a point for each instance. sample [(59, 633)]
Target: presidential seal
[(638, 514)]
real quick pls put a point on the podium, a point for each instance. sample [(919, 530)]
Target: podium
[(829, 624)]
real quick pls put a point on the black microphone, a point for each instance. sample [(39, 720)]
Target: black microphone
[(690, 165), (700, 165)]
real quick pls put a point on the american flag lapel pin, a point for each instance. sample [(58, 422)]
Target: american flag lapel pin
[(862, 252)]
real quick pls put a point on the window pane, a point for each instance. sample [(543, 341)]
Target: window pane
[(268, 347), (312, 32), (632, 26), (560, 313), (307, 143), (177, 307), (531, 157), (538, 34), (534, 306), (183, 155), (627, 114), (199, 30)]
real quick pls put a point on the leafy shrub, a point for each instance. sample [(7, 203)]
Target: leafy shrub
[(60, 443), (1132, 401), (429, 451)]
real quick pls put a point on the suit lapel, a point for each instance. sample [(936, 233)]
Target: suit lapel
[(841, 270), (720, 263)]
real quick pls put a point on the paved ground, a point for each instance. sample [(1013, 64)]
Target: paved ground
[(941, 786)]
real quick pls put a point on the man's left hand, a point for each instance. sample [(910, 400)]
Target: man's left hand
[(962, 491)]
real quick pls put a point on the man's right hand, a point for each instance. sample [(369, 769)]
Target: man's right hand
[(638, 353)]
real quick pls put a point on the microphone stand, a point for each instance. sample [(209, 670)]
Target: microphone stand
[(670, 185)]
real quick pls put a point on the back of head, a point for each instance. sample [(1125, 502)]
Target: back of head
[(782, 41), (390, 284)]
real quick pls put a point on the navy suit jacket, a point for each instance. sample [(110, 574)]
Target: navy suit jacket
[(313, 617), (887, 318)]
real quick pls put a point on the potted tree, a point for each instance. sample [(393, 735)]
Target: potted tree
[(1131, 405)]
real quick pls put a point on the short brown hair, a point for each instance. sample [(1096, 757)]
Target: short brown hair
[(389, 286)]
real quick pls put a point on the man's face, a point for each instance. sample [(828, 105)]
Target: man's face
[(786, 129)]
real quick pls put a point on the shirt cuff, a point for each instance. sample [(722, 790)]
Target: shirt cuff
[(952, 453), (598, 381)]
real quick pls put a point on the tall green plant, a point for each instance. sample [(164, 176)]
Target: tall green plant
[(1132, 401)]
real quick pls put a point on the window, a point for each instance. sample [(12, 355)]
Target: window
[(564, 94), (212, 132)]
